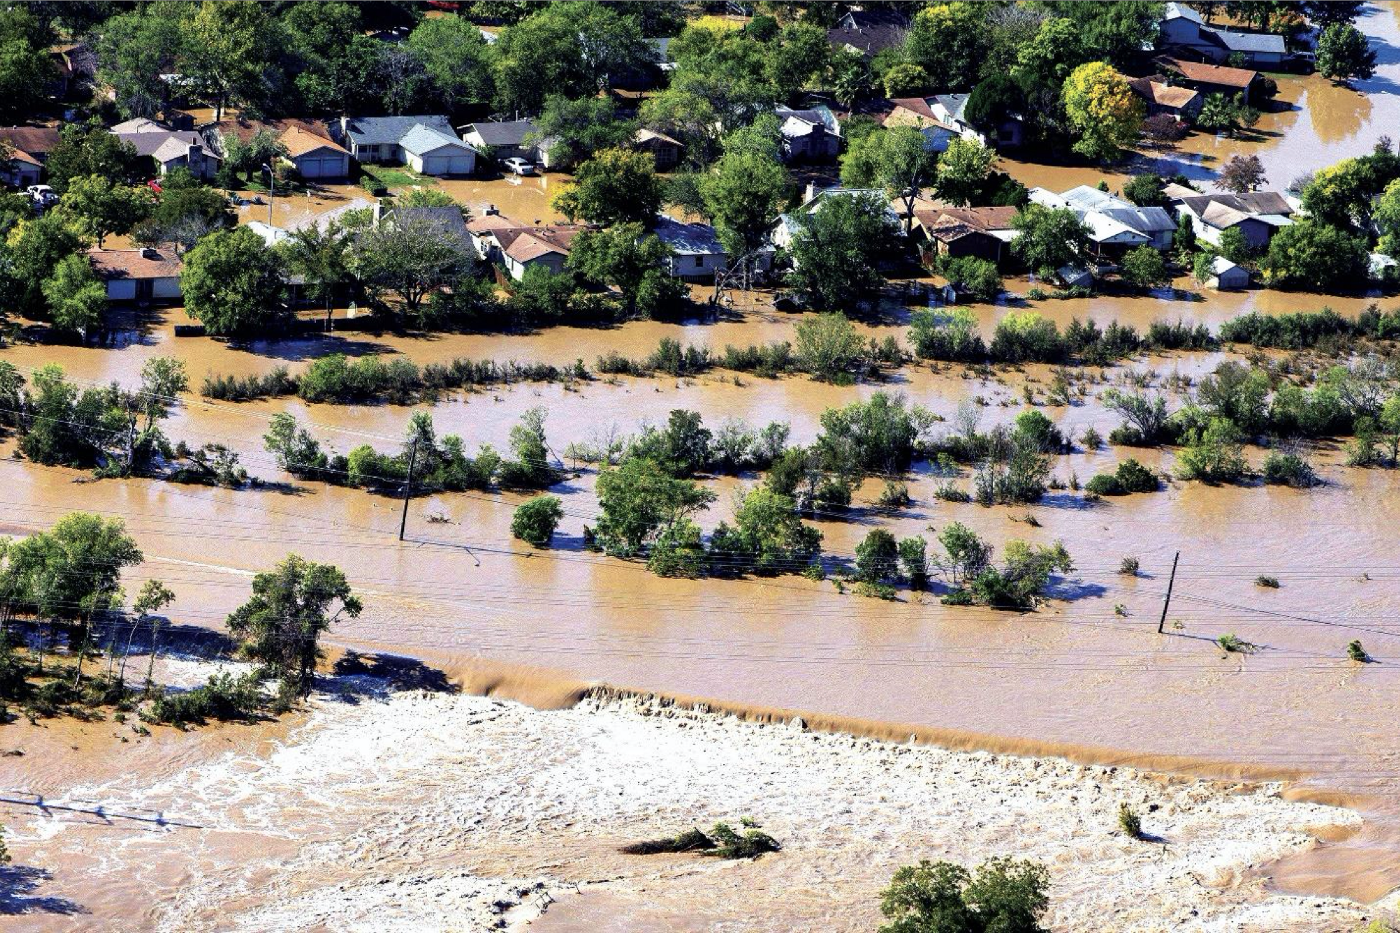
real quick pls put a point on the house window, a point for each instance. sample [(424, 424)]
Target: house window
[(699, 262)]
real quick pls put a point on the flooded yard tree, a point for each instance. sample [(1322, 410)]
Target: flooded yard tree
[(408, 255), (835, 251), (232, 284), (615, 186), (634, 261), (290, 607), (639, 501), (534, 521)]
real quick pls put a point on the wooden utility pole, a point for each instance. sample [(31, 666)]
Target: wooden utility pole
[(408, 487), (1166, 602)]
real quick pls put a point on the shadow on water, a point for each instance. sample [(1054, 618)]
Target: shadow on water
[(300, 349), (17, 886), (395, 672)]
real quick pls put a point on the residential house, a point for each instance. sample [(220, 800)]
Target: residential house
[(1115, 225), (30, 147), (1224, 274), (425, 143), (787, 225), (951, 110), (1183, 103), (1214, 79), (1257, 215), (917, 112), (170, 149), (870, 32), (308, 143), (75, 65), (696, 250), (809, 135), (518, 247), (1384, 269), (665, 151), (138, 275), (506, 139), (983, 232), (447, 221), (1183, 28)]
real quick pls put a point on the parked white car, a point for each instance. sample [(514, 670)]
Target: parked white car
[(519, 166), (41, 195)]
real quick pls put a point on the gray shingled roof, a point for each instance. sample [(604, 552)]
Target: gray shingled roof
[(1245, 41), (376, 131), (424, 139), (506, 133), (687, 238)]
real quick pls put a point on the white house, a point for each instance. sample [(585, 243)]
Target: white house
[(427, 144), (432, 152), (1184, 28), (1114, 225), (517, 246), (1257, 215), (138, 275), (810, 135), (696, 251), (1226, 275)]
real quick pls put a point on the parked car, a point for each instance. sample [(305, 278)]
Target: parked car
[(41, 195), (519, 166)]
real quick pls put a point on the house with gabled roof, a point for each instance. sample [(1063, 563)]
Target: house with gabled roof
[(1258, 215), (1115, 225), (665, 151), (426, 143), (518, 246), (983, 232), (1183, 28), (29, 150), (1184, 103), (918, 113), (309, 146), (696, 250), (138, 275), (1213, 79), (170, 149), (787, 224), (871, 31), (506, 139), (809, 135)]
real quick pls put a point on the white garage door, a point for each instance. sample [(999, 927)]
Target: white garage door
[(437, 165), (321, 168), (462, 164)]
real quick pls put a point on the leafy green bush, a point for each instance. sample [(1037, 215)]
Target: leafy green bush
[(534, 521), (1267, 582), (1129, 477), (223, 697), (1356, 652), (1287, 469), (1129, 822), (1026, 337), (942, 897), (950, 335)]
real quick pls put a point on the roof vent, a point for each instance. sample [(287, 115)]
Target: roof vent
[(149, 252)]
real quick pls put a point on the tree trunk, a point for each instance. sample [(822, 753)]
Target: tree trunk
[(151, 664), (126, 653)]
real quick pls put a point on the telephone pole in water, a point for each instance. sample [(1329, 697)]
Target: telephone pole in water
[(1165, 603), (408, 487)]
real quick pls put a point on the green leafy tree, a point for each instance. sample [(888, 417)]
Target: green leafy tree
[(75, 295), (963, 171), (800, 56), (1220, 113), (615, 186), (829, 346), (1342, 194), (246, 157), (456, 59), (25, 65), (906, 80), (768, 537), (280, 624), (408, 256), (1387, 219), (880, 435), (949, 42), (1310, 254), (564, 49), (321, 255), (836, 248), (1343, 53), (1103, 110), (639, 501), (87, 149), (942, 897), (229, 53), (742, 196), (1055, 51), (534, 521), (134, 50), (877, 557), (35, 247), (232, 283), (635, 261), (1049, 238), (98, 206), (972, 275), (153, 597), (1242, 174), (1145, 190), (896, 159), (576, 129), (1212, 453), (1143, 267)]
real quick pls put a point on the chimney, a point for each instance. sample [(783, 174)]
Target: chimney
[(492, 211), (810, 193)]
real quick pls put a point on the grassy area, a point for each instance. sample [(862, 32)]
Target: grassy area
[(397, 176)]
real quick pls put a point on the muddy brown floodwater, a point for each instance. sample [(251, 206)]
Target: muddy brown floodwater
[(1087, 676)]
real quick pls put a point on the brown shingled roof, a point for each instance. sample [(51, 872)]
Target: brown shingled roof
[(1163, 95), (37, 141), (134, 263), (1210, 74)]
